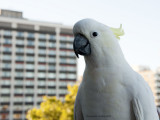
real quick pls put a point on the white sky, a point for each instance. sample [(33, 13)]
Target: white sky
[(140, 19)]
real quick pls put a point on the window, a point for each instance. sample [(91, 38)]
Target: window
[(71, 54), (28, 99), (67, 61), (30, 43), (42, 43), (6, 57), (20, 42), (18, 107), (67, 68), (30, 66), (20, 34), (52, 44), (42, 36), (41, 75), (6, 74), (42, 59), (7, 41), (43, 83), (63, 38), (51, 75), (5, 91), (51, 59), (63, 76), (19, 74), (19, 66), (29, 82), (29, 90), (18, 82), (66, 46), (70, 46), (52, 37), (7, 32), (6, 65), (71, 76), (51, 91), (52, 52), (7, 49), (41, 90), (51, 83), (30, 50), (41, 67), (63, 83), (63, 45), (30, 58), (18, 90), (20, 50), (63, 91), (30, 74), (72, 61), (42, 51), (63, 53), (67, 76), (70, 38), (5, 82), (51, 67), (63, 60), (5, 99), (30, 35), (19, 58)]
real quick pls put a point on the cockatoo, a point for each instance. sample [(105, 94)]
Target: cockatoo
[(111, 89)]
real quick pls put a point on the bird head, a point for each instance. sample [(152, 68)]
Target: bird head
[(92, 37)]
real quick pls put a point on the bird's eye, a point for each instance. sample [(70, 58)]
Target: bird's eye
[(94, 34)]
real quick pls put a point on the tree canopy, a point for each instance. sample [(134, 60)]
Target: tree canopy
[(52, 108)]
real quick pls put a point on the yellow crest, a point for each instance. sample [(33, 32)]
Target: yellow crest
[(118, 31)]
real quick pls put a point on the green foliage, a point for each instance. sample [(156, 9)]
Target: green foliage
[(53, 109)]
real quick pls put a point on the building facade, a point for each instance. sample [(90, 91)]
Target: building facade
[(36, 59)]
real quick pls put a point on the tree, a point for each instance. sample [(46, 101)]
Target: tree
[(54, 109)]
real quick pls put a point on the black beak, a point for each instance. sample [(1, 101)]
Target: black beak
[(81, 45)]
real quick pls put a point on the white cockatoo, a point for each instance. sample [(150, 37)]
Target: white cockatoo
[(111, 89)]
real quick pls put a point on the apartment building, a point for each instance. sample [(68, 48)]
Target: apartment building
[(36, 59)]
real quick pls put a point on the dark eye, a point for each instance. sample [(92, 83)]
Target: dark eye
[(94, 34)]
